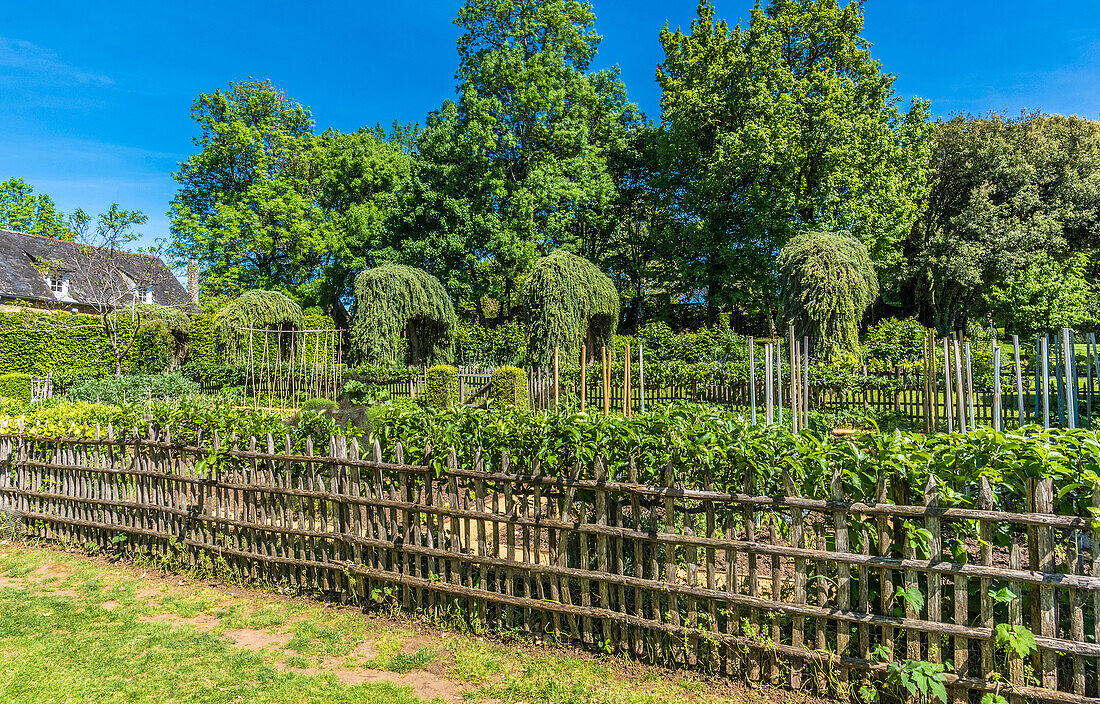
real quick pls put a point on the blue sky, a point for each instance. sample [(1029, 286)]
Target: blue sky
[(95, 101)]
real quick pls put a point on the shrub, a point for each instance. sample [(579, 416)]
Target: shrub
[(214, 374), (895, 340), (318, 405), (509, 388), (16, 385), (11, 406), (440, 387), (133, 387)]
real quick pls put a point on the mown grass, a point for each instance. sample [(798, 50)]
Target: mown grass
[(82, 631)]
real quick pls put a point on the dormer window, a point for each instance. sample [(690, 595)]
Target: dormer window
[(58, 283), (143, 294)]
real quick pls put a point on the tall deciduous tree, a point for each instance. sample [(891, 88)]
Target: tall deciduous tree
[(534, 128), (779, 127), (1002, 192), (246, 207), (23, 210)]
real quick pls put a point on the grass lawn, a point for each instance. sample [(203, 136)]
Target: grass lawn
[(80, 629)]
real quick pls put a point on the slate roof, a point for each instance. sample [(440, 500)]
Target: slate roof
[(22, 254)]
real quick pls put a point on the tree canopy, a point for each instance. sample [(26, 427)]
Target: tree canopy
[(826, 283), (23, 210), (567, 301), (402, 316)]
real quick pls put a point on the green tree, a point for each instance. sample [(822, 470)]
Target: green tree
[(826, 283), (357, 177), (776, 128), (1002, 191), (534, 129), (246, 207), (1044, 295), (22, 210)]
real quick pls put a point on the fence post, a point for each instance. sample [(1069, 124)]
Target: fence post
[(606, 384), (641, 380), (626, 380), (948, 403)]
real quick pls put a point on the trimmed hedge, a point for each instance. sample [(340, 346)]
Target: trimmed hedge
[(509, 387), (440, 387), (11, 406), (201, 348), (16, 385)]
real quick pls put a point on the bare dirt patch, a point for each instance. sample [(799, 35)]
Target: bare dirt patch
[(202, 623), (109, 605), (12, 582), (253, 639), (424, 684)]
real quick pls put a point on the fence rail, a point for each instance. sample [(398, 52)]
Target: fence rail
[(783, 589)]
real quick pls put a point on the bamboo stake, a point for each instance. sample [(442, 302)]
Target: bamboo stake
[(794, 379), (641, 380), (1071, 378), (969, 386), (556, 389), (752, 379), (778, 381), (997, 388), (1019, 380), (1045, 379), (948, 404), (769, 411), (959, 400), (626, 380), (606, 384), (584, 380)]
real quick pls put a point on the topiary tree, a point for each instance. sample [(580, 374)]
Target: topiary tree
[(402, 316), (826, 282), (253, 310), (567, 302)]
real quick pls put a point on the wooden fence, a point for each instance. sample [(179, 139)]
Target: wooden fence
[(783, 589)]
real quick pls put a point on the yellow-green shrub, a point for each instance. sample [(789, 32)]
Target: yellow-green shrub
[(440, 387), (509, 387)]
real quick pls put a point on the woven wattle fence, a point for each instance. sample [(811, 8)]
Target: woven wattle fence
[(782, 589)]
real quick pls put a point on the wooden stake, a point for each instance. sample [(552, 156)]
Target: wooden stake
[(768, 410), (641, 381), (948, 404), (1071, 378), (752, 379), (969, 386), (794, 378), (1019, 381), (626, 380), (1045, 367), (606, 384), (556, 387), (997, 388), (584, 380)]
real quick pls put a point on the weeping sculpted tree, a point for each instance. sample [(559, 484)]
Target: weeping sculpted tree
[(236, 326), (402, 315), (826, 282), (567, 301)]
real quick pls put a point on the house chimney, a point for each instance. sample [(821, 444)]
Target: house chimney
[(193, 280)]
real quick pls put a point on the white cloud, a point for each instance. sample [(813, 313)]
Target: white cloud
[(27, 60)]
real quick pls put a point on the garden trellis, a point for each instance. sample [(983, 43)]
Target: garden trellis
[(287, 367)]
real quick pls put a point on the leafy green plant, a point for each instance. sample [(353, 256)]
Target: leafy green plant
[(919, 678), (1014, 638)]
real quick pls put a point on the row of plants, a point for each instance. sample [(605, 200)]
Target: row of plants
[(693, 437)]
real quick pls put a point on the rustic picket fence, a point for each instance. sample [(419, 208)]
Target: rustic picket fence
[(783, 589)]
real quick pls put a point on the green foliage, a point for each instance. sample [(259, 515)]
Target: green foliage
[(1014, 638), (919, 678), (804, 133), (131, 388), (567, 300), (1044, 295), (202, 348), (1002, 191), (11, 406), (244, 207), (318, 405), (214, 374), (480, 346), (395, 300), (23, 210), (896, 340), (440, 387), (258, 310), (826, 282), (508, 388), (16, 385)]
